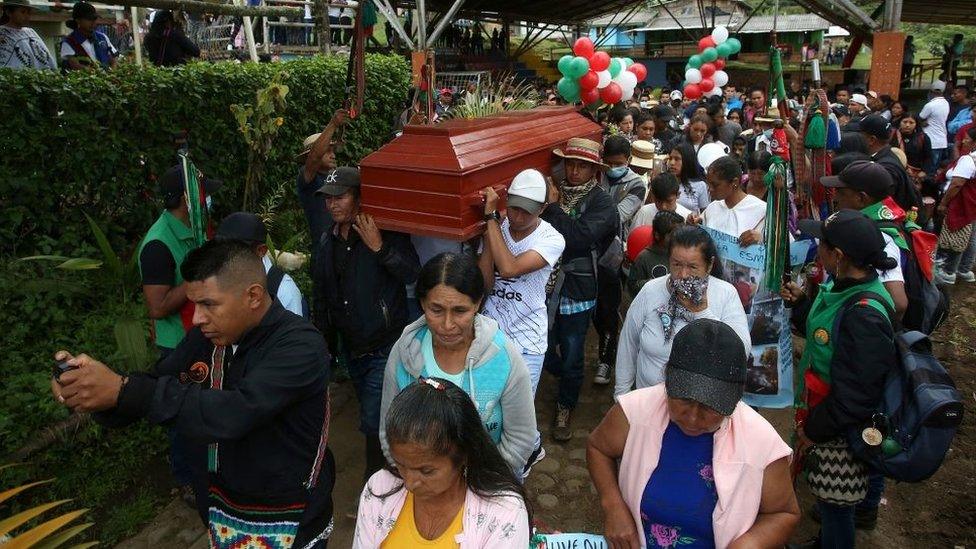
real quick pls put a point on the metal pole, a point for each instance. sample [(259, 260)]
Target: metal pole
[(445, 20), (136, 35), (387, 10), (422, 25)]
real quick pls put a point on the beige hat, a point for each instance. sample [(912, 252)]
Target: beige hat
[(772, 114), (582, 149), (307, 146), (642, 154), (901, 156)]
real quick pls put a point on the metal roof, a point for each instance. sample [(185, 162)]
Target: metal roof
[(757, 24), (560, 12)]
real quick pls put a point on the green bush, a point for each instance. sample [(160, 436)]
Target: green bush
[(90, 141)]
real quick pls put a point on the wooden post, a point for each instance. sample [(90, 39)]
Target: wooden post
[(249, 35), (886, 58), (136, 36)]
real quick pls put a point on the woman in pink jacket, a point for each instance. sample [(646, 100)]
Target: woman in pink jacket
[(698, 468), (448, 487)]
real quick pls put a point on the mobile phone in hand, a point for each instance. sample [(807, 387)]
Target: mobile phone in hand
[(60, 368)]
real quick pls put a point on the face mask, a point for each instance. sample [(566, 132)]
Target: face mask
[(618, 172), (692, 288), (768, 134), (209, 203)]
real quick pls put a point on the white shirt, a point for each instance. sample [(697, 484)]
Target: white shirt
[(518, 304), (68, 51), (23, 49), (642, 352), (748, 214), (697, 199), (936, 113), (289, 295), (964, 168), (894, 252), (645, 215)]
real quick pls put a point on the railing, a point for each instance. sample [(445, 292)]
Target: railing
[(929, 70)]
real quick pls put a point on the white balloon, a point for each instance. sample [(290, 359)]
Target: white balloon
[(693, 76), (720, 34), (716, 92), (720, 78), (604, 79), (626, 94), (627, 79)]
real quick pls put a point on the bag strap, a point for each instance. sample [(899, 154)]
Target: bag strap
[(857, 298), (275, 276)]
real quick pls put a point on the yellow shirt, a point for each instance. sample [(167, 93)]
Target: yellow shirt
[(405, 534)]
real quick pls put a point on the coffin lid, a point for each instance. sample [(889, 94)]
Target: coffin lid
[(460, 146)]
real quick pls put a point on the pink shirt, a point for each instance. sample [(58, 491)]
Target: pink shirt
[(744, 445), (488, 523)]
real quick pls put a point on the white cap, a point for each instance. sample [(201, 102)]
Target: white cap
[(528, 191), (710, 152), (860, 99), (938, 86), (676, 95)]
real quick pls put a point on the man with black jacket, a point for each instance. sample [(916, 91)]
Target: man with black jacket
[(877, 134), (359, 275), (251, 381), (587, 218)]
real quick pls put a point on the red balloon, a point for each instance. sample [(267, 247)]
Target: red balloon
[(705, 43), (600, 61), (707, 70), (639, 70), (719, 64), (583, 47), (612, 93), (706, 85), (692, 91), (589, 96), (589, 80), (640, 238)]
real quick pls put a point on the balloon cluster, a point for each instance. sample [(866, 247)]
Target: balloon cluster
[(704, 73), (593, 76)]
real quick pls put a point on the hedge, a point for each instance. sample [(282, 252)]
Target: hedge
[(90, 141)]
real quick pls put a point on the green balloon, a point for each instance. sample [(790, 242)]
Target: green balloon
[(724, 50), (569, 89), (564, 64), (616, 65), (695, 61), (709, 55), (578, 67), (735, 45), (629, 61)]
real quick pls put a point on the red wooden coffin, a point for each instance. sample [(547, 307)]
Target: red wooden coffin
[(428, 180)]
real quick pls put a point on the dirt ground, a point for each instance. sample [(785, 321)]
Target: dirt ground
[(940, 512)]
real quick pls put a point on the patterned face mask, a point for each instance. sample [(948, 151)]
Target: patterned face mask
[(692, 288)]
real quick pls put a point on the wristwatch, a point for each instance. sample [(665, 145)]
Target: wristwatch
[(493, 215)]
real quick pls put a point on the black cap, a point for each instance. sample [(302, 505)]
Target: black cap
[(853, 233), (339, 180), (171, 184), (865, 176), (665, 112), (876, 125), (707, 365), (243, 226), (841, 110)]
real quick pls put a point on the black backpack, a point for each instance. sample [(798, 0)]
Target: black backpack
[(928, 304), (919, 413), (275, 276)]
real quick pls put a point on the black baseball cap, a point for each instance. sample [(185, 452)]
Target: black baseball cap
[(171, 184), (841, 110), (339, 180), (865, 176), (665, 112), (707, 365), (876, 125), (852, 232), (243, 226)]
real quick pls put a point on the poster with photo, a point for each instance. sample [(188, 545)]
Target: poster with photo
[(769, 374)]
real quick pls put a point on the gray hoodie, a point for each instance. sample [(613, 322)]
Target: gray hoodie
[(495, 375)]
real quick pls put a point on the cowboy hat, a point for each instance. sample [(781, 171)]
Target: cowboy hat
[(642, 154), (579, 148), (771, 115)]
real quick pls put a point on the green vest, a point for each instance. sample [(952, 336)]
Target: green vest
[(819, 349), (179, 240)]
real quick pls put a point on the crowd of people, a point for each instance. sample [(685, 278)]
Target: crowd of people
[(445, 343)]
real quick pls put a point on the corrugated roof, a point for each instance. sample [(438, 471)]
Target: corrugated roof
[(759, 24)]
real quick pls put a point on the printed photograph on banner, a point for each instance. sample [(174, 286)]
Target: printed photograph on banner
[(766, 321), (762, 375)]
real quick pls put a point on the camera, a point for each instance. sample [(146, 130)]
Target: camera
[(60, 368)]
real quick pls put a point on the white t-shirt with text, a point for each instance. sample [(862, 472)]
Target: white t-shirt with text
[(518, 304)]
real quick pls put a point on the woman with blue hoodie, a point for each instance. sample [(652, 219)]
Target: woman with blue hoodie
[(452, 341)]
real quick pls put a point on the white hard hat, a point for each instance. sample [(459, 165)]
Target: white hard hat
[(528, 191)]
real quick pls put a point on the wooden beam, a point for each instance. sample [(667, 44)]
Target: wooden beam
[(198, 6)]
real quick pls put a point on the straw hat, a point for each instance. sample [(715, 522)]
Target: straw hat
[(642, 154), (307, 146), (579, 148)]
